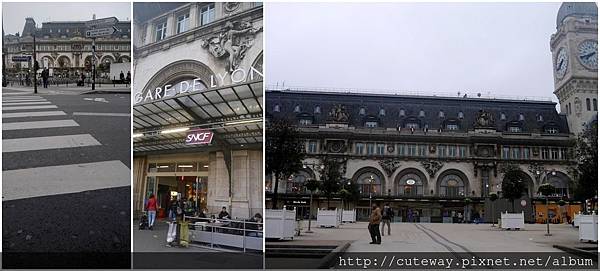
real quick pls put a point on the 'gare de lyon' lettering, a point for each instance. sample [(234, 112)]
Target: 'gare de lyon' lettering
[(237, 76)]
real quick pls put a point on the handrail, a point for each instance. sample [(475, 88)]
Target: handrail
[(243, 231)]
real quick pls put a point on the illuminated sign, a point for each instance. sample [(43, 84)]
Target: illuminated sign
[(199, 137)]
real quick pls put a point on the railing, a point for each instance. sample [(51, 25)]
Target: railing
[(65, 82), (227, 233), (459, 94)]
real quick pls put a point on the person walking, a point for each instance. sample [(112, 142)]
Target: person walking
[(122, 77), (374, 221), (386, 217), (45, 75), (151, 207)]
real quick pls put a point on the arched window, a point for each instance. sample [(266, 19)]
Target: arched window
[(276, 108), (540, 117), (402, 113), (295, 183), (521, 117), (452, 186), (595, 102), (317, 109), (561, 185), (297, 109), (461, 115), (362, 111), (502, 116), (569, 108), (422, 113), (382, 112), (588, 104), (441, 114), (369, 183), (410, 185)]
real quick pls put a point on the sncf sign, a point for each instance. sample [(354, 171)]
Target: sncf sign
[(199, 136)]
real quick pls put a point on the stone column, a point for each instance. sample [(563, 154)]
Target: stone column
[(194, 15), (171, 24), (149, 33)]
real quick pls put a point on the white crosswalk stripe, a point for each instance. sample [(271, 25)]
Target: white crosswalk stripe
[(56, 179), (33, 114)]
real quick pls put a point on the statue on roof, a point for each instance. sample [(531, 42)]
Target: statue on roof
[(484, 119), (338, 113)]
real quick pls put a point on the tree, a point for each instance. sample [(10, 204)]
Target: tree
[(311, 185), (547, 189), (513, 185), (493, 198), (585, 172), (284, 152), (331, 175)]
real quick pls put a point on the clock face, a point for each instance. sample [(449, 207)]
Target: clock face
[(588, 54), (562, 60)]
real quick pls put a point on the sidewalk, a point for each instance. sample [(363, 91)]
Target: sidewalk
[(156, 240), (72, 89)]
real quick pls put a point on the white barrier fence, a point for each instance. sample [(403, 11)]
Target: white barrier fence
[(329, 218), (588, 227), (225, 233), (512, 220), (349, 216), (280, 224)]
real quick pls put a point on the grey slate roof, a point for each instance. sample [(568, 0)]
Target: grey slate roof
[(412, 105)]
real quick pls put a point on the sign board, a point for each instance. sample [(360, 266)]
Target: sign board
[(199, 137), (21, 58), (100, 32), (102, 22)]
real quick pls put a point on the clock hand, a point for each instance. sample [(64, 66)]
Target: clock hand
[(586, 56), (559, 65)]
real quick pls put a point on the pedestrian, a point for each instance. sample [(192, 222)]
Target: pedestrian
[(151, 208), (27, 79), (374, 221), (122, 77), (45, 75), (386, 217), (224, 214), (128, 78)]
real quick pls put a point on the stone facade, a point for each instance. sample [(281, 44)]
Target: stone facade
[(63, 48)]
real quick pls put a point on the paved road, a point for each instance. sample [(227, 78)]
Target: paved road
[(438, 237), (66, 172)]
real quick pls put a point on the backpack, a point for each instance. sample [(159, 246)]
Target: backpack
[(387, 212)]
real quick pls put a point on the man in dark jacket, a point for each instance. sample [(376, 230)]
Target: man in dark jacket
[(374, 221), (387, 216)]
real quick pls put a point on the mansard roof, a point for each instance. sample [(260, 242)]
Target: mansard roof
[(537, 115)]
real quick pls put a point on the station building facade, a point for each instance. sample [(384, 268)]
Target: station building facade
[(62, 47), (198, 105)]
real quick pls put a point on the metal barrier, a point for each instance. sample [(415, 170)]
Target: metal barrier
[(226, 232)]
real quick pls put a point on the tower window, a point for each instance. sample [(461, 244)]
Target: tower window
[(588, 104), (595, 102)]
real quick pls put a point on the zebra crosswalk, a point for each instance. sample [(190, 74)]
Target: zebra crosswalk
[(23, 113)]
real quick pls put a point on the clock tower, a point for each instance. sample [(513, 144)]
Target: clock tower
[(574, 49)]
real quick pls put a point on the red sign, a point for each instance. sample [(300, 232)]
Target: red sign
[(199, 136)]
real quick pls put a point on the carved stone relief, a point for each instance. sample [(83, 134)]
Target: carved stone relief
[(432, 166), (232, 43), (389, 166)]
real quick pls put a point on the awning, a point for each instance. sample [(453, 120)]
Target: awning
[(233, 113)]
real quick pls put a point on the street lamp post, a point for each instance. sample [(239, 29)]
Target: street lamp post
[(371, 179), (34, 66)]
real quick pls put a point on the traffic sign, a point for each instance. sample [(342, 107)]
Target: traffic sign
[(101, 32), (102, 22), (21, 58)]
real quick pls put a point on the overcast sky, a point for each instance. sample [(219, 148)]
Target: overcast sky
[(498, 48), (14, 14)]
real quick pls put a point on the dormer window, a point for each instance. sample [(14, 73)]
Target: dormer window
[(552, 130), (502, 116), (521, 117), (381, 112), (461, 115), (317, 109), (452, 127), (362, 111), (371, 124), (422, 113), (297, 109), (441, 114), (402, 113), (412, 125), (540, 118), (514, 129), (277, 108), (305, 121)]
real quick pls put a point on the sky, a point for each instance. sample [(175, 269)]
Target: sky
[(497, 49), (14, 14)]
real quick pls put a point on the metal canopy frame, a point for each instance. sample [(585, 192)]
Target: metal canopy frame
[(234, 113)]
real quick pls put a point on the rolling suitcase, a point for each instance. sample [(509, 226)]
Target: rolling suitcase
[(184, 234)]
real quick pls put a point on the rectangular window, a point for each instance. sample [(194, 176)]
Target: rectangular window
[(514, 129), (371, 124), (562, 154), (207, 14), (452, 151), (161, 31), (312, 146), (305, 122), (462, 151), (452, 127), (370, 148), (526, 153), (442, 151), (505, 152), (412, 150), (360, 148), (545, 153), (380, 149), (515, 153), (554, 152), (401, 148), (183, 23), (422, 150)]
